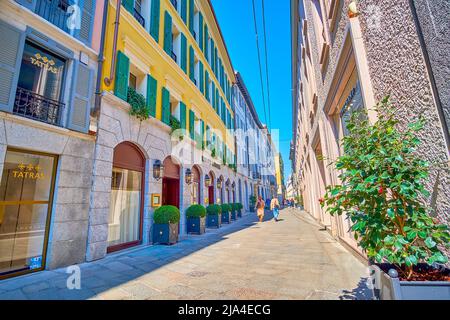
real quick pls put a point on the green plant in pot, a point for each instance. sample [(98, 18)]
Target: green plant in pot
[(252, 200), (239, 208), (213, 213), (382, 192), (165, 227), (226, 213), (196, 219), (233, 211)]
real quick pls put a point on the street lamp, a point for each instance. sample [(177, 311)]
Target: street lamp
[(188, 176), (158, 170), (207, 181)]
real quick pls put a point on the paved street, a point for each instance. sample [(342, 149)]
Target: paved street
[(291, 259)]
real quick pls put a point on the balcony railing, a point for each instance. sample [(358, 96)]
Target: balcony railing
[(174, 56), (139, 17), (34, 106), (54, 11)]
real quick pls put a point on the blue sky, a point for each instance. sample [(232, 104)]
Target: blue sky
[(235, 18)]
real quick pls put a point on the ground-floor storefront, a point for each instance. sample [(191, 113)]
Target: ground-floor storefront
[(45, 174)]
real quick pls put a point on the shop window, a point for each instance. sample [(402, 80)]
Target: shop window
[(26, 192)]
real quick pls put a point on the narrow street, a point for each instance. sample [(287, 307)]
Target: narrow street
[(291, 259)]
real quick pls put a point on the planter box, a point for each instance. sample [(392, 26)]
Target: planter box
[(213, 221), (239, 213), (196, 225), (233, 215), (388, 288), (226, 217), (165, 233)]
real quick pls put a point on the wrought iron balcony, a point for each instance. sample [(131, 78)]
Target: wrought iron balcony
[(174, 56), (54, 11), (34, 106), (139, 17)]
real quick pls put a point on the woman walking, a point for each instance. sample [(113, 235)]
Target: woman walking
[(275, 207), (260, 208)]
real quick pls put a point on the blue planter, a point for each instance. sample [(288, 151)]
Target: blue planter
[(196, 225), (239, 213), (213, 221), (226, 217), (165, 233), (233, 215)]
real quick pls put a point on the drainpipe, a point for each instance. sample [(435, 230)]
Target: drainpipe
[(101, 59), (112, 71)]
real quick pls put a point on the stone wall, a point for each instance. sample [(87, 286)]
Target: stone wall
[(69, 219)]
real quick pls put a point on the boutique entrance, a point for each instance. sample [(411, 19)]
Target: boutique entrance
[(26, 194), (171, 183), (126, 208)]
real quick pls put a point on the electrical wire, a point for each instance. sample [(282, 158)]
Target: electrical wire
[(267, 63)]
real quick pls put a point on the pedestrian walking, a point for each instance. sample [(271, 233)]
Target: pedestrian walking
[(260, 205), (275, 207)]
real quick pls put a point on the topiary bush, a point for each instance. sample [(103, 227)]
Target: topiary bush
[(226, 207), (239, 206), (196, 211), (213, 210), (383, 193), (166, 214)]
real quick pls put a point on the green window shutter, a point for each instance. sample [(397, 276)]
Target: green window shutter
[(208, 137), (81, 98), (184, 11), (129, 5), (122, 75), (211, 58), (213, 95), (191, 63), (168, 45), (10, 62), (183, 53), (192, 124), (200, 31), (202, 134), (154, 23), (216, 56), (183, 115), (165, 106), (206, 42), (152, 85), (202, 78), (207, 86), (191, 16)]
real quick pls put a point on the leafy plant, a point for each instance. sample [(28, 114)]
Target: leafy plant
[(213, 210), (138, 104), (213, 153), (166, 214), (252, 201), (174, 124), (196, 211), (226, 208), (382, 192)]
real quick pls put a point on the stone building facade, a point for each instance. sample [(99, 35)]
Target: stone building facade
[(343, 62), (47, 82)]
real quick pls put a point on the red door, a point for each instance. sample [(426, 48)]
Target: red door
[(211, 194), (171, 192)]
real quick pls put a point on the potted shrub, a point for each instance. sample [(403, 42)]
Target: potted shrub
[(239, 208), (382, 192), (233, 211), (252, 203), (226, 215), (213, 213), (195, 216), (165, 227)]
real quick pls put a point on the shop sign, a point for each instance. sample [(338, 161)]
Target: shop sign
[(36, 262), (29, 171)]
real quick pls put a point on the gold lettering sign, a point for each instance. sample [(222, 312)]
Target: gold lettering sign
[(44, 62), (28, 172)]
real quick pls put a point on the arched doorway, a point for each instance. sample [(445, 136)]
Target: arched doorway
[(240, 191), (127, 197), (211, 193), (233, 190), (228, 186), (195, 191), (171, 183), (221, 190)]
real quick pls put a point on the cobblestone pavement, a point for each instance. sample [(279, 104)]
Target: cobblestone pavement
[(289, 259)]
